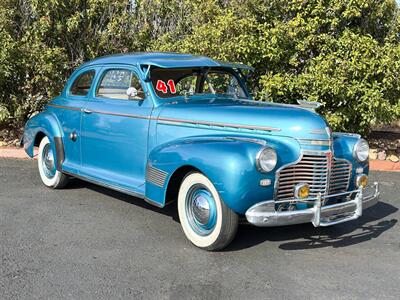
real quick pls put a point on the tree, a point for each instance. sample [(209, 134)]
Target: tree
[(340, 53), (344, 54)]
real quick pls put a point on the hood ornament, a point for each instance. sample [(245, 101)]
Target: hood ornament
[(312, 105)]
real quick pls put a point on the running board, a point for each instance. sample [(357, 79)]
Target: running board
[(106, 185)]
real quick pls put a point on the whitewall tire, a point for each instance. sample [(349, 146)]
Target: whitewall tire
[(206, 221), (49, 174)]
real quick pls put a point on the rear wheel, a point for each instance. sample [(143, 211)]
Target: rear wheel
[(206, 221), (47, 166)]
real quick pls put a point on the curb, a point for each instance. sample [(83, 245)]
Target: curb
[(384, 165), (375, 165), (13, 152)]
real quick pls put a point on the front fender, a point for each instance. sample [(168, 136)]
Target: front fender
[(229, 162), (45, 123), (343, 145)]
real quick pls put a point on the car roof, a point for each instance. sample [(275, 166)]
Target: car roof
[(163, 60)]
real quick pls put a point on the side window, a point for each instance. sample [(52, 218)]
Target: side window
[(120, 84), (82, 83), (187, 84), (223, 83)]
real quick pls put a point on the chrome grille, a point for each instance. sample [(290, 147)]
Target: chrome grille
[(340, 176), (314, 170), (310, 169)]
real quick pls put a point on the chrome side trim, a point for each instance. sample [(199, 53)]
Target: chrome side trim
[(101, 112), (171, 121), (267, 103), (155, 176), (316, 152), (64, 107), (250, 140), (318, 131), (106, 185), (121, 115), (346, 134), (315, 142)]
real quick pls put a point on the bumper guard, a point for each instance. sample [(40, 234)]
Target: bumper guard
[(264, 213)]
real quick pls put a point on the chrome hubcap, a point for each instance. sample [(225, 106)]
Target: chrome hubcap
[(201, 210), (48, 161)]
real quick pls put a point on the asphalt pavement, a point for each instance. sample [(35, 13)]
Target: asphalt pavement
[(88, 242)]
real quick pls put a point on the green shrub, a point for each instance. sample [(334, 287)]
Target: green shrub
[(344, 54)]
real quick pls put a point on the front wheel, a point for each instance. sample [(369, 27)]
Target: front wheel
[(206, 221), (47, 166)]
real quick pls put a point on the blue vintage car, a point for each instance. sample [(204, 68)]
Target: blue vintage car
[(166, 127)]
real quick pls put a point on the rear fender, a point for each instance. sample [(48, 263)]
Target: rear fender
[(44, 123)]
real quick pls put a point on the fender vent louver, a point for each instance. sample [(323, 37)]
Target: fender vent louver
[(155, 176)]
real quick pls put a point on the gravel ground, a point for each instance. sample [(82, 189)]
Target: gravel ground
[(87, 242)]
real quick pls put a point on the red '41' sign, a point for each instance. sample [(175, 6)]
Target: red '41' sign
[(163, 87)]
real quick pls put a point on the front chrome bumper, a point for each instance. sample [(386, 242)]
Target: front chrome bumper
[(264, 213)]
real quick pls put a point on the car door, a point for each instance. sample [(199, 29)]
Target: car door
[(68, 109), (115, 129)]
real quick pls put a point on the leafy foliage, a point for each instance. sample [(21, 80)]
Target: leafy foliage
[(344, 54)]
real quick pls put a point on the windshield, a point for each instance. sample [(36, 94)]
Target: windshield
[(169, 83)]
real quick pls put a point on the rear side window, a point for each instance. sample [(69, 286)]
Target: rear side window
[(120, 84), (82, 83)]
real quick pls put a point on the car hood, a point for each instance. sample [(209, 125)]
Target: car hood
[(247, 116)]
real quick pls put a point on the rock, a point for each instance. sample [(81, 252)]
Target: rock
[(3, 144), (392, 146), (393, 158), (382, 155), (373, 153)]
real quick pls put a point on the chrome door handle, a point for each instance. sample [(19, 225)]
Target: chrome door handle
[(86, 111), (73, 136)]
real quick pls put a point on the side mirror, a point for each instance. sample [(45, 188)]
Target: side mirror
[(131, 92)]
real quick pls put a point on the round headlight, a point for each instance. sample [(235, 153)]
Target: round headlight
[(266, 160), (361, 150)]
